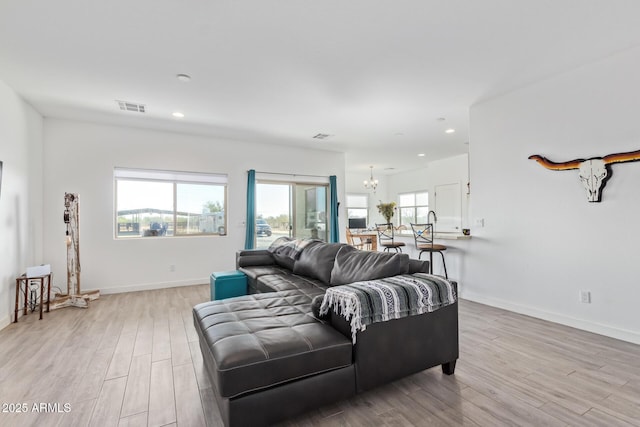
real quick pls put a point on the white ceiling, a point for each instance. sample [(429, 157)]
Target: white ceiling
[(375, 75)]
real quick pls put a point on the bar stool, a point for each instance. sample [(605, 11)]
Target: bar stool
[(387, 237), (423, 236)]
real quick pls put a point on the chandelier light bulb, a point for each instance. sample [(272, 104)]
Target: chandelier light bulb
[(371, 183)]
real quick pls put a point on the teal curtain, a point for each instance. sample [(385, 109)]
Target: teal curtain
[(333, 210), (249, 241)]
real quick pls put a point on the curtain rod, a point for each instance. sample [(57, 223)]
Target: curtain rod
[(292, 174)]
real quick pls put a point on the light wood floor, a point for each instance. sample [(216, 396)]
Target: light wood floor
[(133, 360)]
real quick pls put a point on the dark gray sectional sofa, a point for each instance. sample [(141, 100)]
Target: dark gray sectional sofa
[(270, 357)]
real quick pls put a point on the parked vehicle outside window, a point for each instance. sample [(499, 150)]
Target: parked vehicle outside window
[(263, 228)]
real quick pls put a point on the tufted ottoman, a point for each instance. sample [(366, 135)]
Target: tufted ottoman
[(269, 359)]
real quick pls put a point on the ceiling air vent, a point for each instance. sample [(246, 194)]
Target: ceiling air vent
[(131, 106), (322, 136)]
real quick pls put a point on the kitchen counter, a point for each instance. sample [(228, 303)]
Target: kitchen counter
[(457, 245), (451, 236), (442, 236)]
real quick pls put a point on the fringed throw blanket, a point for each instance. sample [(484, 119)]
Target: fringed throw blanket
[(367, 302)]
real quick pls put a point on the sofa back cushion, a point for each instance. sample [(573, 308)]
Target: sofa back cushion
[(316, 260), (284, 261), (352, 265)]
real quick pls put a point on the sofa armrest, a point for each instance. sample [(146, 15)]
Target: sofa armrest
[(253, 257), (418, 266), (387, 351)]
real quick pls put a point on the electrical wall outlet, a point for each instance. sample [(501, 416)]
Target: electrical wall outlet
[(585, 297), (172, 267), (479, 222)]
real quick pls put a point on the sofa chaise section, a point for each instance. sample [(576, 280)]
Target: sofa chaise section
[(269, 359)]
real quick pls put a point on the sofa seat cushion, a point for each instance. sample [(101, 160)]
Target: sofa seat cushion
[(257, 341), (255, 271), (289, 282)]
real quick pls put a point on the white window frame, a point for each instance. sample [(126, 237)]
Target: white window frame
[(175, 178), (366, 207), (414, 206)]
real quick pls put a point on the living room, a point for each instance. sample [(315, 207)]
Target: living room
[(536, 244)]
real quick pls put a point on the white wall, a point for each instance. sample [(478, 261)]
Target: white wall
[(21, 194), (452, 170), (80, 159), (408, 182), (543, 242), (354, 185), (445, 171)]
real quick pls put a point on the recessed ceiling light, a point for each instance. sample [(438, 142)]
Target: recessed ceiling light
[(183, 77), (421, 155), (178, 114), (450, 130), (441, 119)]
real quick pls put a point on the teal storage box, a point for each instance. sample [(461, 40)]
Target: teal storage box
[(227, 284)]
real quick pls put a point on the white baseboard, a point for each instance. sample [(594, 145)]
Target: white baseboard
[(121, 289), (149, 286), (597, 328), (6, 321)]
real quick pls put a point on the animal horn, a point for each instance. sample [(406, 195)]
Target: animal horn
[(631, 156), (573, 164)]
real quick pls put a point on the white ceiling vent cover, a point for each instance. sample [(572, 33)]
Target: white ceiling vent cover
[(131, 106)]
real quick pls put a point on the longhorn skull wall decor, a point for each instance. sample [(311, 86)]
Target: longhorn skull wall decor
[(593, 172)]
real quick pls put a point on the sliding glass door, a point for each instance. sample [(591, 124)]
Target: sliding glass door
[(273, 212), (311, 209), (290, 209)]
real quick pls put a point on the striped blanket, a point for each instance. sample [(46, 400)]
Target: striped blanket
[(371, 301)]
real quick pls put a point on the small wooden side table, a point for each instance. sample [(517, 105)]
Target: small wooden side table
[(44, 280)]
